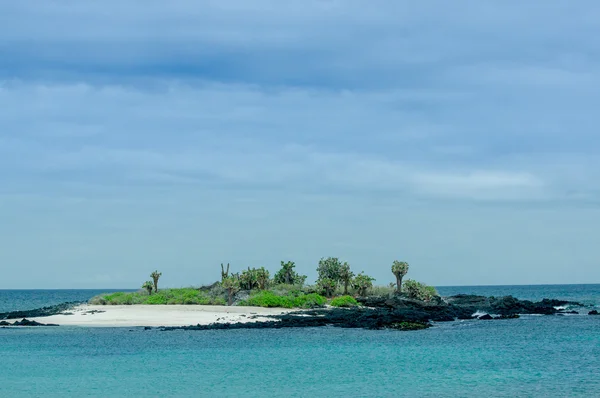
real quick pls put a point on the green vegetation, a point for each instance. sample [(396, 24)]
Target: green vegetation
[(419, 291), (254, 278), (164, 296), (148, 285), (399, 269), (286, 289), (362, 283), (287, 275), (344, 301), (346, 276), (155, 277), (270, 299), (231, 284), (224, 274)]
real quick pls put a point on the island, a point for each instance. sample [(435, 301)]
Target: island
[(253, 299)]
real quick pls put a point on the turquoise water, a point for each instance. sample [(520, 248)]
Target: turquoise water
[(534, 356)]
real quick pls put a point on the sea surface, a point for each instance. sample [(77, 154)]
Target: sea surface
[(534, 356)]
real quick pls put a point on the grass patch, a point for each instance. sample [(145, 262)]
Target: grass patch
[(189, 296), (270, 299), (344, 301)]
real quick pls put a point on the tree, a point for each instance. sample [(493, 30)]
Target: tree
[(419, 291), (329, 268), (327, 286), (224, 274), (155, 277), (287, 275), (262, 278), (231, 285), (399, 268), (362, 283), (148, 285), (346, 276), (249, 279)]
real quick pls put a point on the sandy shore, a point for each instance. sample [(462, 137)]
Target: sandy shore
[(158, 315)]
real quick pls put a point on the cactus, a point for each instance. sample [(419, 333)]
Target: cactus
[(362, 283), (231, 285), (148, 285), (346, 276), (287, 275), (155, 277), (224, 273), (399, 268)]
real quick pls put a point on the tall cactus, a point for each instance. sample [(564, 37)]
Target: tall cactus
[(224, 274), (155, 277), (399, 269)]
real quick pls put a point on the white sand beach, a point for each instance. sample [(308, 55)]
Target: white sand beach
[(158, 315)]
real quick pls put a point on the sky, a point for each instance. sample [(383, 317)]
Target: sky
[(461, 138)]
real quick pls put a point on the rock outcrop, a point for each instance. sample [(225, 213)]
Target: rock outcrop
[(39, 312), (25, 322)]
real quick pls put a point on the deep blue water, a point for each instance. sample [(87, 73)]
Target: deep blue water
[(534, 356), (14, 300)]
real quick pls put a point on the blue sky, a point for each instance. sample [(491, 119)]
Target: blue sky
[(137, 135)]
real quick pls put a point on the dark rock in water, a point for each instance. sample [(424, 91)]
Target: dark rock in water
[(593, 312), (486, 317), (27, 322), (513, 316), (468, 300), (40, 312), (147, 328)]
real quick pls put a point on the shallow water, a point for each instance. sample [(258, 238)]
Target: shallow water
[(541, 356)]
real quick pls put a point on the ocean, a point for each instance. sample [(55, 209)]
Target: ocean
[(534, 356)]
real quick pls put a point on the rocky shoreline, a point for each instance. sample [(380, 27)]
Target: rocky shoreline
[(402, 313)]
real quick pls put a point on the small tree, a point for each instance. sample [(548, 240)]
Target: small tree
[(362, 283), (224, 273), (329, 268), (262, 278), (346, 276), (399, 268), (326, 286), (249, 279), (287, 275), (155, 277), (231, 285), (148, 285)]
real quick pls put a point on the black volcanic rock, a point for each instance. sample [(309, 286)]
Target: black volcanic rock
[(26, 322), (486, 317), (593, 312), (39, 312)]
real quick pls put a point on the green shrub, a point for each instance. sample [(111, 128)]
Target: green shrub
[(419, 291), (272, 300), (311, 300), (269, 299), (344, 301), (156, 299)]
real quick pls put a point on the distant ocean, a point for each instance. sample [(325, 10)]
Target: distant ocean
[(534, 356)]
